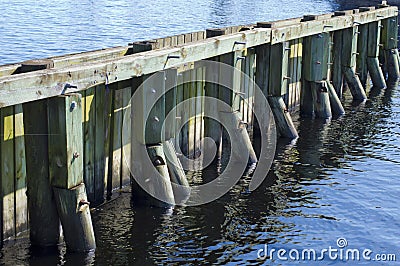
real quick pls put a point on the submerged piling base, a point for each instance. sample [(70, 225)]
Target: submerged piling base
[(336, 104), (176, 173), (76, 222), (375, 71), (320, 95), (233, 119), (282, 117), (392, 63), (356, 88)]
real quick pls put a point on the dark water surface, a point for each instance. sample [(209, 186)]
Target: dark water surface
[(339, 180)]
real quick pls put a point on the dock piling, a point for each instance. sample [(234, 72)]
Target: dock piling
[(66, 171)]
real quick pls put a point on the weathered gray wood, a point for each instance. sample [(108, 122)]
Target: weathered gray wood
[(362, 50), (392, 64), (43, 217), (279, 73), (342, 20), (176, 173), (76, 78), (375, 71), (66, 171), (7, 172), (115, 151), (89, 133), (389, 37), (76, 221), (336, 105), (306, 100), (337, 74), (171, 79), (65, 140), (356, 88), (149, 113), (262, 77), (282, 117), (162, 188), (322, 106), (315, 57), (212, 128), (126, 132), (21, 204)]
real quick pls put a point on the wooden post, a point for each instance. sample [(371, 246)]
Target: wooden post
[(315, 72), (212, 128), (336, 104), (337, 74), (272, 77), (176, 173), (282, 117), (7, 171), (348, 59), (149, 116), (389, 42), (232, 97), (322, 105), (66, 171), (375, 71), (44, 223), (362, 50)]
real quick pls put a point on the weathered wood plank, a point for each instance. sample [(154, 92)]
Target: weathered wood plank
[(77, 78), (127, 136), (44, 84), (43, 217), (75, 218), (65, 141), (7, 171), (89, 134), (117, 117), (313, 27), (200, 71), (21, 204)]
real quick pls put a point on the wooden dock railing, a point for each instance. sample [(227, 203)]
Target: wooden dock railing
[(63, 143)]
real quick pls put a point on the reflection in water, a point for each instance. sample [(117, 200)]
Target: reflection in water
[(335, 181)]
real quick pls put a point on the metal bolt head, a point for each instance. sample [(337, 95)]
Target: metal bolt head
[(73, 106), (76, 155), (156, 119)]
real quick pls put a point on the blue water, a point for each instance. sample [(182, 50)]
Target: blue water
[(39, 29), (339, 180)]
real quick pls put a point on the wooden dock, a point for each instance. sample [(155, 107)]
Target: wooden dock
[(63, 145)]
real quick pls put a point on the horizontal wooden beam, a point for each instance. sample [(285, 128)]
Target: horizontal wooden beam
[(323, 24), (48, 83), (82, 75)]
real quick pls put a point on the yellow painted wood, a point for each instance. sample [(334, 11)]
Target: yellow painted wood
[(89, 135), (21, 203), (7, 171)]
